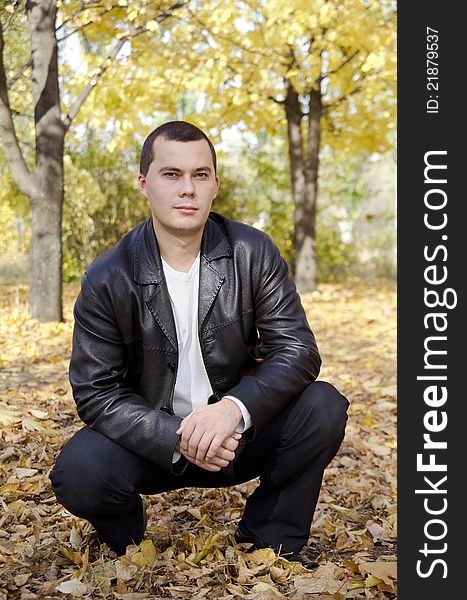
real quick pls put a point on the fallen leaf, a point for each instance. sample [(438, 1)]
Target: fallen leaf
[(21, 578), (23, 473), (75, 538), (266, 591), (384, 570), (74, 587), (325, 580)]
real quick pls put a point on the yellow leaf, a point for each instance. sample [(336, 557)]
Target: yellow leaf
[(39, 414), (21, 579), (262, 556), (371, 581), (382, 570), (8, 416), (194, 512), (152, 25), (22, 473), (75, 538), (208, 544), (147, 554), (29, 424), (389, 390), (149, 550), (139, 559), (75, 557), (6, 487), (268, 588)]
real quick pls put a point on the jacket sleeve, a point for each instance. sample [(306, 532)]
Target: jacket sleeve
[(287, 346), (104, 399)]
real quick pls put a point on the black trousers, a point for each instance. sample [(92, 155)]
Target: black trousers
[(98, 480)]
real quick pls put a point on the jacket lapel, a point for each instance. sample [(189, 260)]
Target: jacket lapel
[(148, 271), (214, 246), (159, 306), (210, 282)]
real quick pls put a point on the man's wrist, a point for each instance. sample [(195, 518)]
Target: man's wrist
[(233, 408), (246, 421)]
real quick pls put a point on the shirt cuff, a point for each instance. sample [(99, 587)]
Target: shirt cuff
[(176, 456), (246, 421)]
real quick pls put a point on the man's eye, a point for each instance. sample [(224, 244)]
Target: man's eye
[(202, 175), (170, 174)]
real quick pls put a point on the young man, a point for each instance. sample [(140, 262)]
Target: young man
[(193, 365)]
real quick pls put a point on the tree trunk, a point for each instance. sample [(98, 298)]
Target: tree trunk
[(45, 273), (45, 292), (303, 173), (306, 261)]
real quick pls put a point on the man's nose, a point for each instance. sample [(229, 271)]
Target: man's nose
[(187, 188)]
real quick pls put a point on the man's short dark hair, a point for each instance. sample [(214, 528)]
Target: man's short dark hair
[(177, 131)]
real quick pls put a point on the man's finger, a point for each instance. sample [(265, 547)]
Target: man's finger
[(182, 426), (215, 444), (204, 445), (186, 430), (230, 444), (224, 454), (209, 467), (225, 451), (194, 441), (216, 462)]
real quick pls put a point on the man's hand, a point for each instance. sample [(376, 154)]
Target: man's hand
[(204, 431), (225, 454)]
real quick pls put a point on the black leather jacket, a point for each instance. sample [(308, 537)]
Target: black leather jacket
[(254, 336)]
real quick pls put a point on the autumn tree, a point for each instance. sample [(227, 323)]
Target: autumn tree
[(321, 71), (49, 24)]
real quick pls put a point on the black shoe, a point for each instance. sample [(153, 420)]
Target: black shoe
[(244, 536), (303, 560)]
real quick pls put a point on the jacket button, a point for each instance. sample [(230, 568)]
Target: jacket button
[(171, 367)]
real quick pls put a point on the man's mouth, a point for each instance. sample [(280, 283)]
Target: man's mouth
[(187, 208)]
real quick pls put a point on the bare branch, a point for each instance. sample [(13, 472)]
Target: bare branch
[(281, 102), (22, 176), (76, 13), (110, 59), (346, 61), (105, 11), (235, 42), (327, 107), (10, 15), (90, 85), (19, 73)]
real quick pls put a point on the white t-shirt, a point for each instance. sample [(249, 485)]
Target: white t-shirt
[(192, 386)]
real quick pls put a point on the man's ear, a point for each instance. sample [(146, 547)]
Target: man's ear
[(142, 184), (217, 188)]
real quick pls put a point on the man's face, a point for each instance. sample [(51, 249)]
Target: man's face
[(180, 186)]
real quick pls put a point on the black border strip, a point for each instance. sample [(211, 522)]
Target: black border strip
[(430, 568)]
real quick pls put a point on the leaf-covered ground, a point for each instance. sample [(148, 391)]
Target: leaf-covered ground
[(189, 551)]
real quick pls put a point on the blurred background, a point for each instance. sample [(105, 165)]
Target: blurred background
[(297, 96)]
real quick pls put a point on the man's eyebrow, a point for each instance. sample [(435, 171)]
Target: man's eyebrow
[(177, 170), (169, 168)]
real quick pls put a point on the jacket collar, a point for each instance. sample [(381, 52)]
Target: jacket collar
[(147, 266)]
